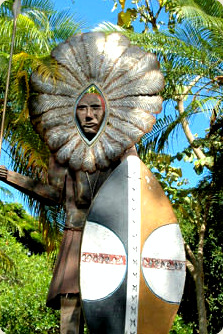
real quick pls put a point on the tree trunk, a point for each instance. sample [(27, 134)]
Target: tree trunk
[(196, 269), (198, 152), (199, 283)]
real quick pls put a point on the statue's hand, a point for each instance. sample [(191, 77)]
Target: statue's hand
[(3, 173)]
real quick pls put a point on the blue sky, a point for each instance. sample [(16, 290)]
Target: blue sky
[(92, 12)]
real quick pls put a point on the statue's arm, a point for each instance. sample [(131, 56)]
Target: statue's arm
[(42, 192)]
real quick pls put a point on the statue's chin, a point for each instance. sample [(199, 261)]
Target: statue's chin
[(90, 135), (90, 132)]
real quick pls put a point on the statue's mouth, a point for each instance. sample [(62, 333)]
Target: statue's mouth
[(90, 125)]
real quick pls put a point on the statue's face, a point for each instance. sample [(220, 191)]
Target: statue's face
[(90, 114)]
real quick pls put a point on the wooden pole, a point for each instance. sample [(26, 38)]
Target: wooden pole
[(16, 11)]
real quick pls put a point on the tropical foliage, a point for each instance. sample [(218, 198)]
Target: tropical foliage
[(25, 274)]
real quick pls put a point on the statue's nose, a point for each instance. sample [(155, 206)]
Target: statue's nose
[(89, 113)]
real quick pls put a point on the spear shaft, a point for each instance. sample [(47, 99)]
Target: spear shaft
[(16, 11)]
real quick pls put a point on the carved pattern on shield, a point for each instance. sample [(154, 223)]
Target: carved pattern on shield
[(128, 79)]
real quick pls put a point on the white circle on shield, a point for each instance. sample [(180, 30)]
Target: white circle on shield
[(103, 262), (163, 263)]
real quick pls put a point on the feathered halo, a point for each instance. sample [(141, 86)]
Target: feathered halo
[(129, 80)]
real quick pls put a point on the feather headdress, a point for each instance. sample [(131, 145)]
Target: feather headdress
[(128, 79)]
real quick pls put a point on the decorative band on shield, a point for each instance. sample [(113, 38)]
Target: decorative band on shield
[(155, 263), (163, 263), (103, 258)]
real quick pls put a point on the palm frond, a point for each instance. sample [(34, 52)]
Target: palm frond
[(29, 153), (5, 192), (6, 264), (52, 221), (207, 13), (39, 23), (151, 139), (108, 27), (64, 24), (182, 50)]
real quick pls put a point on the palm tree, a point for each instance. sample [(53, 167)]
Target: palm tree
[(39, 28), (189, 47)]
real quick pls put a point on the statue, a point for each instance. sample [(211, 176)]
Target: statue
[(99, 108)]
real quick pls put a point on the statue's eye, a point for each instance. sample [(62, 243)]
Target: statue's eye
[(96, 106), (81, 107)]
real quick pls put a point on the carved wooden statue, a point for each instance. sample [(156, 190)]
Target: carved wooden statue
[(91, 118)]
